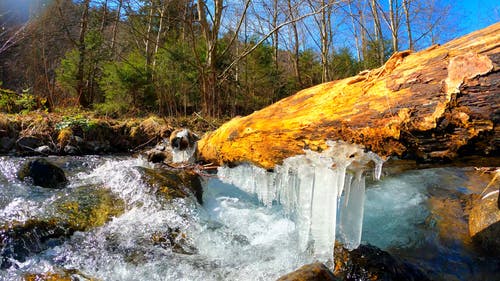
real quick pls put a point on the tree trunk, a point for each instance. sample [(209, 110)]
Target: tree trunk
[(378, 31), (406, 8), (393, 27), (296, 50), (115, 26), (82, 97), (437, 104)]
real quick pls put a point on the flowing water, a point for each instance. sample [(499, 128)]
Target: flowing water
[(233, 235)]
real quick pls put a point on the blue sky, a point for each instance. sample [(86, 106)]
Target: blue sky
[(475, 14)]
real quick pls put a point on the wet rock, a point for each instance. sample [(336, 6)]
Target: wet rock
[(368, 262), (171, 184), (28, 143), (159, 154), (71, 150), (484, 224), (44, 149), (43, 173), (60, 275), (96, 147), (83, 209), (20, 240), (310, 272), (174, 239), (89, 207), (6, 144)]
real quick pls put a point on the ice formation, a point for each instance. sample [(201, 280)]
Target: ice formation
[(309, 188)]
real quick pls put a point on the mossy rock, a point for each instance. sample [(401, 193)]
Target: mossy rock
[(170, 184), (43, 173), (90, 207)]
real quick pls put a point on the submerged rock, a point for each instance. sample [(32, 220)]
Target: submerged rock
[(83, 209), (43, 173), (19, 240), (310, 272), (484, 224), (174, 239), (63, 275), (368, 262)]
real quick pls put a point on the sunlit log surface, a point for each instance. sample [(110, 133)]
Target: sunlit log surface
[(437, 104)]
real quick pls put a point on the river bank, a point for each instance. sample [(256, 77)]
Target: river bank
[(81, 133)]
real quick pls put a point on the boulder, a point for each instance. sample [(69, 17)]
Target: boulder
[(28, 143), (310, 272), (484, 224), (368, 262), (43, 173), (6, 144)]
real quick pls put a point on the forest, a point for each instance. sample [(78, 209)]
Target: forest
[(210, 57)]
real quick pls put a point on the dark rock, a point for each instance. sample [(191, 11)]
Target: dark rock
[(159, 156), (310, 272), (484, 224), (29, 143), (44, 149), (6, 143), (368, 262), (43, 173), (71, 150), (173, 183), (96, 147), (20, 240)]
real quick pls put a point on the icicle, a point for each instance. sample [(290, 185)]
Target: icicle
[(309, 188), (351, 217)]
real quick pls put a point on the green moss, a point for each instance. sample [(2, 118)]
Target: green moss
[(92, 207)]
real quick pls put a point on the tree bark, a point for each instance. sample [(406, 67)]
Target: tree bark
[(406, 8), (435, 105), (80, 88)]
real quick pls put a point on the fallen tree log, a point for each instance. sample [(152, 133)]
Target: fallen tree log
[(437, 104)]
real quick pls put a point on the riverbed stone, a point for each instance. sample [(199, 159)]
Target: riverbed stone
[(484, 224), (310, 272), (43, 173), (368, 262)]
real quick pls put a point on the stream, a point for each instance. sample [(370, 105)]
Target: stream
[(415, 215)]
